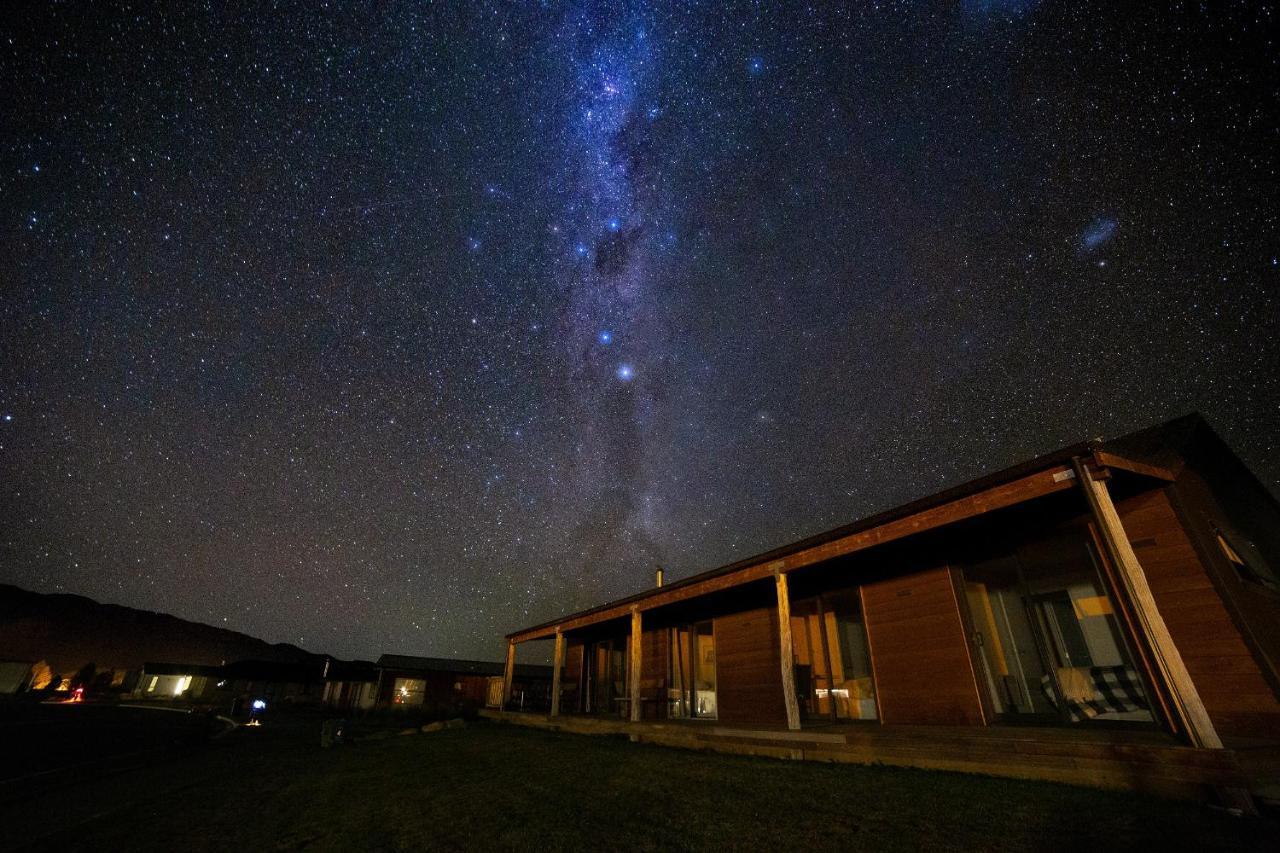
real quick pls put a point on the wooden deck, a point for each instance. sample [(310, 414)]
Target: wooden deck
[(1148, 762)]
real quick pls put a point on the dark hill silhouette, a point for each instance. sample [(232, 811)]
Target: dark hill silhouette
[(69, 631)]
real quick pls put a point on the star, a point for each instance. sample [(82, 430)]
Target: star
[(626, 372)]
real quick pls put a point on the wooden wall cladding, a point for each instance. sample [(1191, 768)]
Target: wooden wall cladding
[(920, 652), (1210, 494), (573, 650), (653, 673), (571, 678), (748, 672), (1235, 693)]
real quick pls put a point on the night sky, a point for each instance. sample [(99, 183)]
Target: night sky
[(395, 328)]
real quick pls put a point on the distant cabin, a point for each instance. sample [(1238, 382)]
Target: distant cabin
[(408, 682), (177, 681), (270, 681), (350, 685), (1109, 603)]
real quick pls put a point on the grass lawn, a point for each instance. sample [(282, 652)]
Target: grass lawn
[(491, 786)]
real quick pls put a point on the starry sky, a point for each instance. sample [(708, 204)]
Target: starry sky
[(394, 327)]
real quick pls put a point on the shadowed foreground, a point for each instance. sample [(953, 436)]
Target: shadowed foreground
[(492, 786)]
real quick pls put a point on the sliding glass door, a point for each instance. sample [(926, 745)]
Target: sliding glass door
[(691, 672), (1047, 638), (832, 658), (1007, 644), (606, 674)]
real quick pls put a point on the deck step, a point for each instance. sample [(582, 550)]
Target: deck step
[(1105, 760)]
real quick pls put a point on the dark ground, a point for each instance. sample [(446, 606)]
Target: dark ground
[(46, 745), (489, 786)]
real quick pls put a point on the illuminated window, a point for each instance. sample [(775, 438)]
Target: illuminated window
[(832, 658), (1244, 557), (691, 671), (408, 691), (151, 687)]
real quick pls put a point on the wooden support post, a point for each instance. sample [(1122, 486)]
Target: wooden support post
[(786, 651), (636, 663), (1195, 719), (556, 665), (508, 673)]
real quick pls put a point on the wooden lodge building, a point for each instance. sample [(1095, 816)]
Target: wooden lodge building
[(1108, 614), (408, 681)]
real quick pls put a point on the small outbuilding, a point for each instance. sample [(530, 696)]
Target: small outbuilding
[(186, 681), (350, 685)]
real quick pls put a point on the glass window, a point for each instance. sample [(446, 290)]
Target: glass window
[(691, 672), (607, 677), (853, 689), (1046, 637), (409, 691), (832, 658), (704, 647), (1005, 640), (813, 684), (679, 675)]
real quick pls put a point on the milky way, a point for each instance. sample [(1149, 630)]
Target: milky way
[(396, 328)]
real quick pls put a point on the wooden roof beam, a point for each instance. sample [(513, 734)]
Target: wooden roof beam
[(1056, 478), (1107, 459)]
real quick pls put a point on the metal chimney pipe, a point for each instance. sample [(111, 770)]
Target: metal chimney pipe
[(659, 576)]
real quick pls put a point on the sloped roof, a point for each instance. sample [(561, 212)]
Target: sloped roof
[(163, 668), (1156, 446), (351, 670), (412, 663), (266, 670)]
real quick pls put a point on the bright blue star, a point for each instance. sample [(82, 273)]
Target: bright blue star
[(605, 338), (580, 250), (615, 224), (473, 244), (755, 66), (626, 372)]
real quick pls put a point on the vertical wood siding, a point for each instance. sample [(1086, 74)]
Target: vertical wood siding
[(653, 674), (748, 672), (920, 651), (1237, 696)]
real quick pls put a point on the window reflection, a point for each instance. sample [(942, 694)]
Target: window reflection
[(691, 672), (832, 658), (1047, 638)]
